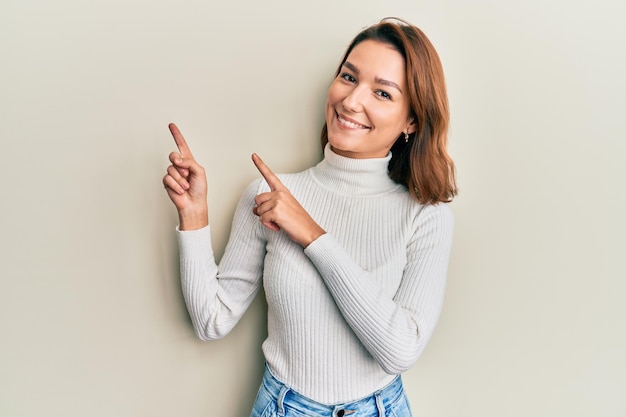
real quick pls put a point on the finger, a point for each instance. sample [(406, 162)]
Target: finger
[(270, 225), (266, 220), (264, 209), (262, 198), (184, 172), (174, 172), (271, 178), (176, 159), (181, 143), (171, 185), (182, 163), (263, 204), (174, 156)]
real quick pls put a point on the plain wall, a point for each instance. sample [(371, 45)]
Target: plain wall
[(92, 320)]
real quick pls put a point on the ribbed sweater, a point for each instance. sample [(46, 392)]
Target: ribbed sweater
[(354, 308)]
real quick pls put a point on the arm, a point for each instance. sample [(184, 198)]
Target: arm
[(217, 297), (395, 329)]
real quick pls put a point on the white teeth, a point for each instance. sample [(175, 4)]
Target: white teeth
[(349, 124)]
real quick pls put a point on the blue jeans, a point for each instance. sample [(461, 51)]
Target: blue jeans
[(276, 399)]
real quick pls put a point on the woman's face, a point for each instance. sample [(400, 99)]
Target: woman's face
[(367, 107)]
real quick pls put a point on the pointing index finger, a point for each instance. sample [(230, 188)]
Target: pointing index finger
[(181, 143), (271, 178)]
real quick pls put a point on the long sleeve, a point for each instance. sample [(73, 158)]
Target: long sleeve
[(217, 297), (353, 309), (394, 328)]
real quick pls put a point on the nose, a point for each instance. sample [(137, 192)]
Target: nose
[(353, 102)]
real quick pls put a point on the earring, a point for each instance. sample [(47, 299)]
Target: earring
[(406, 137)]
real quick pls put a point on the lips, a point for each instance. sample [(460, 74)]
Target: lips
[(349, 123)]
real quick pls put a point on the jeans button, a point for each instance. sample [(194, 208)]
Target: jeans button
[(340, 413)]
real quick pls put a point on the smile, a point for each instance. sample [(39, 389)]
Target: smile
[(349, 123)]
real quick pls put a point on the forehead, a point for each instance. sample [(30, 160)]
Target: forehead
[(378, 59)]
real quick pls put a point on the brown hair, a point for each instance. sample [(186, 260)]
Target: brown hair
[(423, 164)]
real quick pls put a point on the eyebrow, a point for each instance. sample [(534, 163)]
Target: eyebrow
[(382, 81)]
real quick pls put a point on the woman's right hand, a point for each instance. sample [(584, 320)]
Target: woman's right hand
[(186, 185)]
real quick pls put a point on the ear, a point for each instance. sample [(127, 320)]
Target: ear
[(412, 126)]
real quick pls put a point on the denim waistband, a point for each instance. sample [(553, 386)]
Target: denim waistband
[(374, 404)]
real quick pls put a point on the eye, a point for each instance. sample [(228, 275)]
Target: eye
[(349, 78), (383, 94)]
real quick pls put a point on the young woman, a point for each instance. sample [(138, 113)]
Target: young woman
[(352, 253)]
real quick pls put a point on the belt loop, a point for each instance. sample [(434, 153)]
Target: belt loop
[(379, 404), (281, 399)]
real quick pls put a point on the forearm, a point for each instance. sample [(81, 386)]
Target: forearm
[(217, 297), (388, 332), (198, 273), (393, 321)]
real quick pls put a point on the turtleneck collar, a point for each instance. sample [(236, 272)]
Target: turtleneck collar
[(353, 176)]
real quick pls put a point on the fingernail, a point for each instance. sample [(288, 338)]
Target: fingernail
[(179, 161)]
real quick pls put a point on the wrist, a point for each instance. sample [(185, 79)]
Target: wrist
[(312, 237), (193, 219)]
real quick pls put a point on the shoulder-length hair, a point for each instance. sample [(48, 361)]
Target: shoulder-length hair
[(422, 164)]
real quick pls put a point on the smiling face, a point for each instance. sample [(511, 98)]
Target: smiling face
[(367, 107)]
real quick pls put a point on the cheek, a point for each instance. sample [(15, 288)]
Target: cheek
[(396, 119), (335, 93), (331, 104), (329, 111)]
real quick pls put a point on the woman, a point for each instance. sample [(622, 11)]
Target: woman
[(352, 253)]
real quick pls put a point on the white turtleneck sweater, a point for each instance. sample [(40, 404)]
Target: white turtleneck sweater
[(353, 309)]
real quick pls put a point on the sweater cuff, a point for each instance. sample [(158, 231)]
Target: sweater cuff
[(194, 242), (328, 256)]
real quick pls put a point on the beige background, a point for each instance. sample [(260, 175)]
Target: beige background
[(92, 321)]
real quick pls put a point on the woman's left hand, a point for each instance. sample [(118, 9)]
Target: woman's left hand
[(279, 210)]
